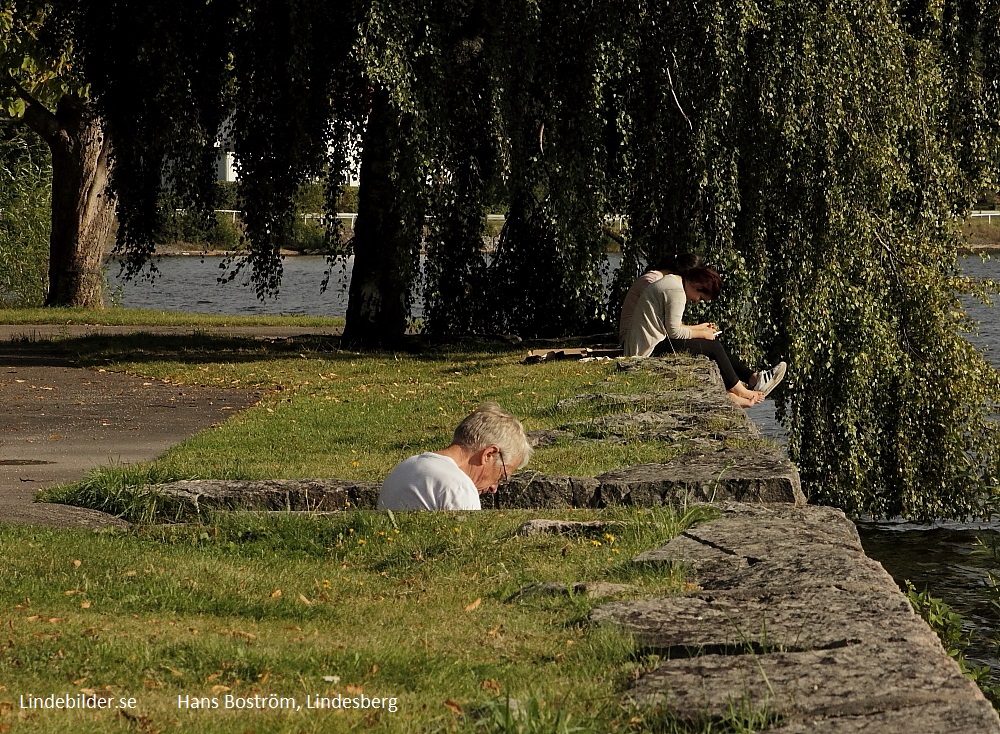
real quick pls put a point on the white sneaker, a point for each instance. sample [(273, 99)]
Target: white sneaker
[(767, 380)]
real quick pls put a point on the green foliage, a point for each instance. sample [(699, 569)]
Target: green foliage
[(24, 218), (824, 181), (950, 627), (36, 62), (178, 226)]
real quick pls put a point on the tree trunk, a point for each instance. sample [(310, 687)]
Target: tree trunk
[(386, 234), (83, 209)]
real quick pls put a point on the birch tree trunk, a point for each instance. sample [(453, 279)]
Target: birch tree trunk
[(83, 208)]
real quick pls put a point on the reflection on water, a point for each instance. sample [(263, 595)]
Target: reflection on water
[(946, 560), (197, 285)]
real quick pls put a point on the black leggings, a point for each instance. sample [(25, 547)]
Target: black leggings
[(732, 369)]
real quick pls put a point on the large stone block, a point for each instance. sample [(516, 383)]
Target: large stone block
[(187, 498), (745, 620), (740, 475), (531, 490), (938, 717), (856, 680)]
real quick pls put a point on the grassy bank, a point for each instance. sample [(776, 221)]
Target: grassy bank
[(332, 413), (982, 232), (411, 608), (146, 317)]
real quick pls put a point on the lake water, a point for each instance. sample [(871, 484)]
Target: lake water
[(945, 558)]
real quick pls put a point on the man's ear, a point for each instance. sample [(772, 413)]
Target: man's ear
[(487, 455)]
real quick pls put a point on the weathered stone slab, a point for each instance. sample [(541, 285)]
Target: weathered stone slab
[(741, 475), (952, 717), (188, 497), (857, 680), (683, 367), (529, 490), (794, 620), (633, 401), (590, 589), (566, 527), (747, 620), (772, 546)]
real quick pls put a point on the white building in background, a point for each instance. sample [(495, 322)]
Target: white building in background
[(225, 165)]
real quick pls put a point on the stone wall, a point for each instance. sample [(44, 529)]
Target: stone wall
[(792, 625), (795, 626), (696, 416)]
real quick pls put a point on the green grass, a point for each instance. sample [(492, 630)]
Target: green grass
[(982, 230), (331, 413), (146, 317), (409, 606)]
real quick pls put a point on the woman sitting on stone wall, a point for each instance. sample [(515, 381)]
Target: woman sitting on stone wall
[(656, 328)]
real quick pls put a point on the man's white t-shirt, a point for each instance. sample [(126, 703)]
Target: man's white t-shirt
[(428, 481)]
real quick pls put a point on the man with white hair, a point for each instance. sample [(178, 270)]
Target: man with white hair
[(487, 444)]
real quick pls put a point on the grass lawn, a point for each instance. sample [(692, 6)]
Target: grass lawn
[(408, 607), (146, 317)]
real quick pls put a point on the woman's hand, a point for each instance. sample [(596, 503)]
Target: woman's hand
[(704, 331)]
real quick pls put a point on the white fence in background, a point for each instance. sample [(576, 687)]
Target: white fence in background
[(987, 214)]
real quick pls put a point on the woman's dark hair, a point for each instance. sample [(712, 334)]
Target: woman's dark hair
[(705, 279), (678, 264)]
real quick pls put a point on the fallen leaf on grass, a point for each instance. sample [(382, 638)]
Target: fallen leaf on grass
[(373, 670), (77, 564), (85, 605), (474, 605), (355, 689), (276, 593), (453, 705), (248, 636), (220, 689), (305, 600), (491, 685)]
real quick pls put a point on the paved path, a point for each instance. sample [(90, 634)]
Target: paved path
[(59, 420)]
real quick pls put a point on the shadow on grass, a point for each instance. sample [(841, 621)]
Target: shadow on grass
[(198, 348)]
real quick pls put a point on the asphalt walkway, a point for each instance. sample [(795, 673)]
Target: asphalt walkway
[(59, 420)]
